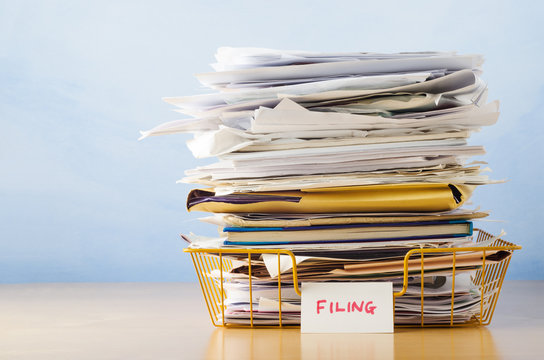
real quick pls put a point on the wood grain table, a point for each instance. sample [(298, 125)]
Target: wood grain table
[(170, 321)]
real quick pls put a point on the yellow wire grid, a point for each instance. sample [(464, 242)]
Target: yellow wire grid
[(488, 278)]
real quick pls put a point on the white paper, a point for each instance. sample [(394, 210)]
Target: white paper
[(286, 263), (362, 307), (343, 68)]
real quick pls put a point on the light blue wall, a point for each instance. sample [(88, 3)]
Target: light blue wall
[(82, 200)]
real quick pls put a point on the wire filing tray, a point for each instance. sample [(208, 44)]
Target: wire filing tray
[(488, 278)]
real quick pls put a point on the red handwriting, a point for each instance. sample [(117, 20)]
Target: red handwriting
[(350, 306)]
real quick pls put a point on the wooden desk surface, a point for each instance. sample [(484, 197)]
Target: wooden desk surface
[(170, 321)]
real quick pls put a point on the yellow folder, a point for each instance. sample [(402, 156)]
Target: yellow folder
[(370, 198)]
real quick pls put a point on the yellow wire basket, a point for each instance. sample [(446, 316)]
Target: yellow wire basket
[(489, 278)]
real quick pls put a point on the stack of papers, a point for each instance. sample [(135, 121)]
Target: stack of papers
[(349, 160)]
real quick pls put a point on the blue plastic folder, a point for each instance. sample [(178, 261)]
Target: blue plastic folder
[(321, 234)]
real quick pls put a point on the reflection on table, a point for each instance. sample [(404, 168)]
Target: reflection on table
[(235, 344)]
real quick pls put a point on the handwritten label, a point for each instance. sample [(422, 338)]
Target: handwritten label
[(347, 307)]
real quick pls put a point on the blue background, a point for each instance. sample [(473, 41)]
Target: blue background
[(83, 200)]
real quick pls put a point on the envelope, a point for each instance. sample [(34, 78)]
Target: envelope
[(354, 199)]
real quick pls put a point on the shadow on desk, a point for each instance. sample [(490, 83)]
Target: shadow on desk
[(432, 343)]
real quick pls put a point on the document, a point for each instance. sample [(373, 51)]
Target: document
[(372, 198), (348, 160)]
